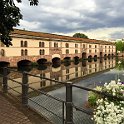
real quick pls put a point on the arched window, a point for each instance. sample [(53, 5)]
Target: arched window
[(21, 43), (26, 52), (55, 44), (76, 45), (42, 44), (22, 52), (39, 44), (2, 52), (42, 52), (25, 44), (67, 45)]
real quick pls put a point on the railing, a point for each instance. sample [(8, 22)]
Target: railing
[(67, 113)]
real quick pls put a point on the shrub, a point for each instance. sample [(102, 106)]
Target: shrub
[(109, 110)]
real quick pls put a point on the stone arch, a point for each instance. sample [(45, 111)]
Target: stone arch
[(42, 61), (89, 58), (4, 64), (56, 60), (23, 63), (76, 58), (67, 58)]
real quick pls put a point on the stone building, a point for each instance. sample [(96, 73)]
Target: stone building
[(29, 46)]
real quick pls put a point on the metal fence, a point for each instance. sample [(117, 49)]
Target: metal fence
[(56, 110)]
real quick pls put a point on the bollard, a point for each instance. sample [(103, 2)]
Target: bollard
[(5, 84), (69, 108), (25, 89)]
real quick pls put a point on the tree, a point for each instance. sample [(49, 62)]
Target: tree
[(9, 18), (120, 46), (80, 35)]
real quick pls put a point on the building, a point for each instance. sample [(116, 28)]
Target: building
[(29, 46)]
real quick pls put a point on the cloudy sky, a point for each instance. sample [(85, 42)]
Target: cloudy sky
[(98, 19)]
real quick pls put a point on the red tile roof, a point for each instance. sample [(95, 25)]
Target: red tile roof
[(55, 36)]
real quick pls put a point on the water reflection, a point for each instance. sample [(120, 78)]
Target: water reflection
[(64, 72), (42, 67)]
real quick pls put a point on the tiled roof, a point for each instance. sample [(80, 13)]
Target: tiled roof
[(55, 36)]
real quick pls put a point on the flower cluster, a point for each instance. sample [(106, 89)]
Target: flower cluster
[(108, 110)]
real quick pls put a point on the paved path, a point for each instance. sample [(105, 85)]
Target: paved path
[(10, 114)]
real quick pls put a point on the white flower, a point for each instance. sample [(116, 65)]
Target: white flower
[(110, 112)]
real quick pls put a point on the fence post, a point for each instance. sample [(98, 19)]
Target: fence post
[(69, 108), (5, 84), (24, 89)]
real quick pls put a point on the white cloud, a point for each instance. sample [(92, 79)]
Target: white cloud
[(99, 19), (29, 25)]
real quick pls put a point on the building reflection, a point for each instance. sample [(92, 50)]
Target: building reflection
[(61, 73)]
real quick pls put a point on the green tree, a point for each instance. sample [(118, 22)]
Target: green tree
[(9, 18), (120, 46), (80, 35)]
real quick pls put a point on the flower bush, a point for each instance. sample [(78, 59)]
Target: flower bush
[(108, 110)]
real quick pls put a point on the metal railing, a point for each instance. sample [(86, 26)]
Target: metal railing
[(66, 114)]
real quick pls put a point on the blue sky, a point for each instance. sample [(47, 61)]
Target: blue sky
[(98, 19)]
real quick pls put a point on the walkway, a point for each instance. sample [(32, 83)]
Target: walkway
[(10, 114)]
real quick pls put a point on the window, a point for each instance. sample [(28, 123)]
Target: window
[(95, 46), (67, 45), (42, 75), (26, 52), (2, 52), (55, 44), (95, 65), (90, 51), (22, 52), (76, 69), (21, 43), (105, 47), (89, 46), (25, 44), (67, 77), (76, 74), (42, 52), (83, 45), (67, 71), (76, 51), (67, 51), (76, 45), (41, 44), (95, 51), (90, 66), (43, 83)]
